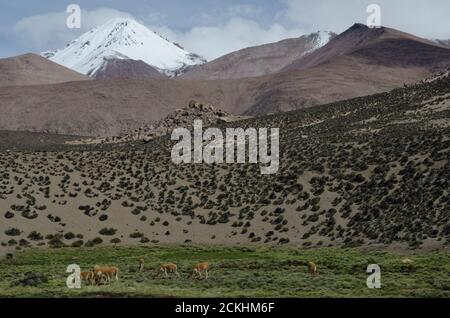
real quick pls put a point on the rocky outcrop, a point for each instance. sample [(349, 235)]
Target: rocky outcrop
[(184, 118)]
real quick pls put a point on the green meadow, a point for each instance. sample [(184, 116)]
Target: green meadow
[(234, 272)]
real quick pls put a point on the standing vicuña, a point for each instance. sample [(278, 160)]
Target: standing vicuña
[(312, 267), (141, 264), (107, 272), (167, 269), (199, 269)]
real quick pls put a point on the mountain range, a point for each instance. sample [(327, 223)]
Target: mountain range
[(360, 61), (304, 72), (120, 47)]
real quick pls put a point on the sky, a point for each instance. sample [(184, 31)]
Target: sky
[(212, 28)]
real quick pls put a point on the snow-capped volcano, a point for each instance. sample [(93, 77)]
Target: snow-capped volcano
[(123, 39)]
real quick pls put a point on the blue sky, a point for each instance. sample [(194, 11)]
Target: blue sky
[(212, 27)]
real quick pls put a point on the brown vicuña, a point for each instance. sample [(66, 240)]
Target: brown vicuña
[(167, 269), (88, 277), (141, 264), (199, 269), (108, 272), (312, 267)]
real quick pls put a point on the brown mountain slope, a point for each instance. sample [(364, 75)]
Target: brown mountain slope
[(383, 45), (358, 62), (32, 69), (115, 68), (110, 107), (259, 60), (345, 77)]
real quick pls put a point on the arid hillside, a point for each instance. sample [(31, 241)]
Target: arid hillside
[(32, 69), (111, 107), (366, 171), (260, 60), (126, 68)]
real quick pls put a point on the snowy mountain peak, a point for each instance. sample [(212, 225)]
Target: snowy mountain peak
[(122, 38)]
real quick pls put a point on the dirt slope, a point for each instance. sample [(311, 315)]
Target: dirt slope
[(32, 69)]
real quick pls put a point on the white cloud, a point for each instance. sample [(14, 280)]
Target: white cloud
[(49, 31), (222, 32), (420, 17), (237, 33), (157, 17), (243, 10)]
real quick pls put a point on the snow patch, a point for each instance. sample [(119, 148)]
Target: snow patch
[(319, 40)]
